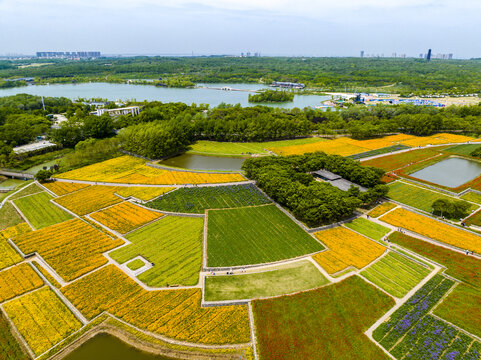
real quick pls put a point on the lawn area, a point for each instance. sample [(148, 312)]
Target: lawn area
[(135, 265), (395, 161), (10, 349), (327, 323), (40, 212), (384, 150), (244, 148), (368, 228), (474, 219), (472, 196), (415, 196), (197, 199), (173, 244), (460, 266), (9, 216), (27, 190), (254, 235), (462, 307), (285, 279), (395, 274), (465, 149)]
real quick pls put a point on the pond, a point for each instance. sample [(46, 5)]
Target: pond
[(452, 172), (108, 347), (201, 162), (199, 95)]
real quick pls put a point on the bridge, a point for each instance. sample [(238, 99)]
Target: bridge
[(17, 175), (227, 88)]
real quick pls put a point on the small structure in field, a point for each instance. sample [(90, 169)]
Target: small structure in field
[(336, 180)]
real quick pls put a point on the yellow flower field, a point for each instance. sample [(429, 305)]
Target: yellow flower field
[(175, 314), (71, 248), (436, 139), (433, 229), (8, 255), (338, 146), (15, 230), (125, 217), (18, 280), (143, 193), (381, 209), (42, 319), (88, 200), (132, 170), (346, 248), (60, 188)]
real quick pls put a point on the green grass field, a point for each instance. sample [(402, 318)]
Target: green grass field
[(472, 196), (135, 265), (9, 349), (255, 235), (284, 279), (415, 196), (244, 148), (40, 211), (368, 228), (462, 307), (9, 216), (465, 149), (395, 274), (27, 190), (327, 323), (173, 244), (197, 199)]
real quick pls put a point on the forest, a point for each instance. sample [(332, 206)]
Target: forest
[(335, 74), (287, 181), (271, 96)]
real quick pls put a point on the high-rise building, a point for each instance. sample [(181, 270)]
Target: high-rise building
[(428, 57), (362, 53)]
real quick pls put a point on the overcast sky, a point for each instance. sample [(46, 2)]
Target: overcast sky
[(272, 27)]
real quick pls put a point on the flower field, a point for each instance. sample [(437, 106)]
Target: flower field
[(132, 170), (40, 212), (174, 246), (125, 217), (381, 209), (368, 228), (60, 188), (463, 300), (72, 248), (135, 264), (173, 313), (327, 323), (198, 199), (395, 161), (395, 274), (15, 230), (460, 266), (45, 273), (407, 316), (8, 255), (42, 319), (254, 235), (433, 229), (339, 146), (442, 138), (18, 280), (346, 248), (89, 199), (143, 193)]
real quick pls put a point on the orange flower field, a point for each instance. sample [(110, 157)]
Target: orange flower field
[(132, 170), (346, 248), (13, 231), (71, 248), (60, 188), (90, 199), (18, 280), (125, 217), (381, 209), (173, 313), (433, 229), (42, 319)]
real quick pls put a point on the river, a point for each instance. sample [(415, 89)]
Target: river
[(149, 92)]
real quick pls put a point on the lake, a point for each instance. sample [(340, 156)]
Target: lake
[(108, 347), (151, 93), (452, 172), (201, 162)]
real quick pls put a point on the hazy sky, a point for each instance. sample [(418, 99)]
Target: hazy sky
[(272, 27)]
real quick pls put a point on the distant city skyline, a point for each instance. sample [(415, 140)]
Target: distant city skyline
[(270, 27)]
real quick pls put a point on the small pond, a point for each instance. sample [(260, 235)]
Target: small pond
[(452, 172), (201, 162), (108, 347)]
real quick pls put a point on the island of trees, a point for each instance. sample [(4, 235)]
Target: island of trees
[(271, 96)]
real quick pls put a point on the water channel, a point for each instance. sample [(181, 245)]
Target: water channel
[(452, 172), (200, 162), (108, 347), (199, 95)]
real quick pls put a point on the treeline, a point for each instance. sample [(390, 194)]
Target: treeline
[(287, 181), (267, 96), (390, 75)]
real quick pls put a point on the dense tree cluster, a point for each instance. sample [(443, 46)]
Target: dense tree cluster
[(268, 96), (287, 181), (452, 209)]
